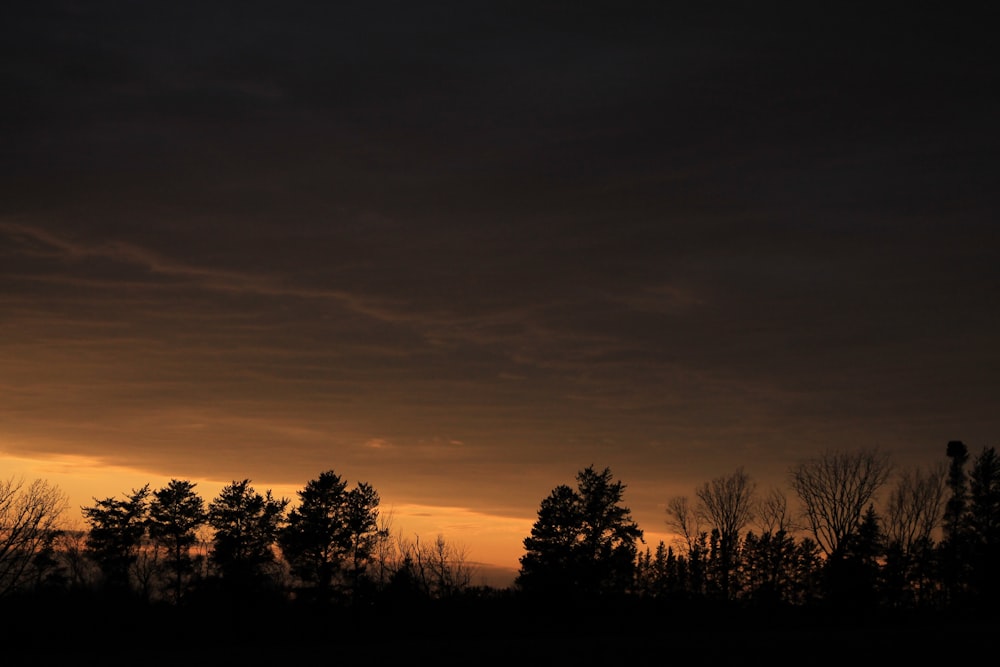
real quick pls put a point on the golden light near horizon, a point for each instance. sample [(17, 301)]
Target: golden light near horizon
[(83, 479), (487, 539)]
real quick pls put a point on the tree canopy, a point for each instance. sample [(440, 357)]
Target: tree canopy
[(584, 541), (117, 526), (246, 525), (330, 535)]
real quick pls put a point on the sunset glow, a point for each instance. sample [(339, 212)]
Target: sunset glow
[(461, 255)]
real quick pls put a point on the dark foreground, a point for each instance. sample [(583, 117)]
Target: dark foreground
[(62, 633)]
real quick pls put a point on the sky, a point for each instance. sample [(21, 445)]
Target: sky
[(463, 250)]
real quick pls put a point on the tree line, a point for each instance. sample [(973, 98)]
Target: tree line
[(169, 546), (931, 545), (934, 545)]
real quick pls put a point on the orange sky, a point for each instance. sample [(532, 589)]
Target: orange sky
[(488, 542), (462, 255)]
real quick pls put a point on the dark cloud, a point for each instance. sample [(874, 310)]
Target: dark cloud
[(469, 248)]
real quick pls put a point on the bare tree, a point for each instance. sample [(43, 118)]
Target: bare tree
[(727, 504), (773, 515), (437, 570), (914, 510), (81, 572), (386, 558), (149, 569), (835, 488), (915, 506), (28, 523), (446, 566), (682, 518)]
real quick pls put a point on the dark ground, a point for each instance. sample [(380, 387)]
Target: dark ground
[(61, 633)]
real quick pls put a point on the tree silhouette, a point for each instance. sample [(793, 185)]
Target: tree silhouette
[(915, 507), (686, 522), (727, 503), (330, 535), (852, 578), (175, 514), (913, 512), (955, 545), (955, 512), (246, 526), (117, 528), (582, 551), (835, 489), (984, 523), (583, 542), (363, 530), (439, 568), (28, 525)]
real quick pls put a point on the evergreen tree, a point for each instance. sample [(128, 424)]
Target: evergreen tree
[(583, 542), (246, 526), (984, 524), (362, 528), (955, 511), (117, 529), (955, 547), (330, 535), (768, 567), (175, 514), (984, 498)]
